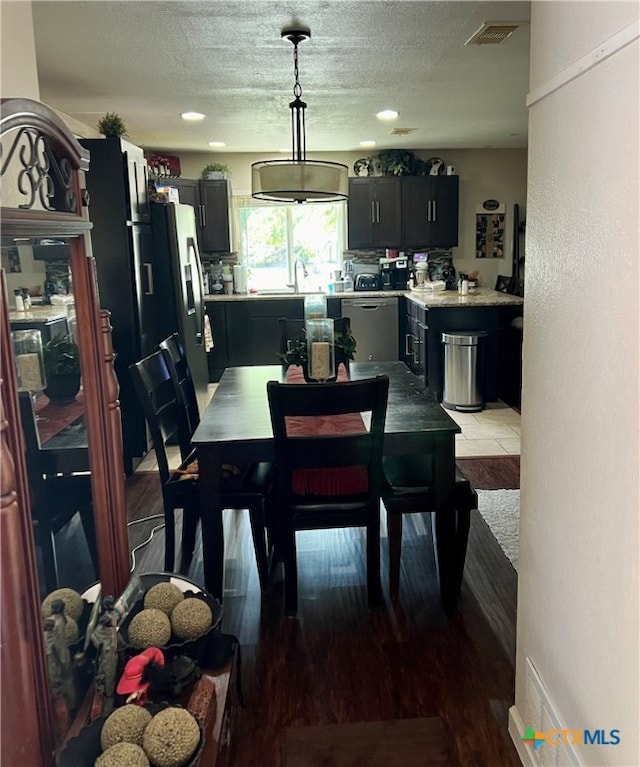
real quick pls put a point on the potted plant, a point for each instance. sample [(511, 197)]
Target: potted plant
[(297, 354), (112, 126), (62, 369), (215, 170)]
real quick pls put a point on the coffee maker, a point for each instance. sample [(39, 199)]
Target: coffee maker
[(394, 273)]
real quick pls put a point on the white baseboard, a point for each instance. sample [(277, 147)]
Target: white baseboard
[(516, 731)]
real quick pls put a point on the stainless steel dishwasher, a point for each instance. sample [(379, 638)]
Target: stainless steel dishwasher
[(374, 324)]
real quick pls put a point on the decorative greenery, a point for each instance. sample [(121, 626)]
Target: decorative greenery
[(112, 125), (216, 167), (392, 162), (61, 357), (345, 346)]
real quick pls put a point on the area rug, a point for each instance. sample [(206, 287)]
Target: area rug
[(397, 743), (500, 509)]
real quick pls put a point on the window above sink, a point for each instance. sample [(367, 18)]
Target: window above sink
[(273, 237)]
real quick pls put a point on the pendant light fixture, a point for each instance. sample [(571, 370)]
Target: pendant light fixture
[(298, 179)]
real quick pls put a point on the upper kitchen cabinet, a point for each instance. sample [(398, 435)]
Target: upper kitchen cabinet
[(374, 212), (215, 206), (430, 211), (211, 201)]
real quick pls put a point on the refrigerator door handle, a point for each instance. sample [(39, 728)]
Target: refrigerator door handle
[(149, 270), (196, 258)]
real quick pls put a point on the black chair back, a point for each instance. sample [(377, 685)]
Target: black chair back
[(163, 408), (176, 360), (330, 450), (55, 498)]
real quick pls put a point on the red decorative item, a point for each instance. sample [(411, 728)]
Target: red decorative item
[(164, 165), (132, 682)]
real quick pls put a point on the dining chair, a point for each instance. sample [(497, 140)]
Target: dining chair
[(408, 488), (290, 330), (240, 488), (55, 498), (327, 467), (173, 350)]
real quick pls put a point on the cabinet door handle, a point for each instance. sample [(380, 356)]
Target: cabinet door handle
[(373, 213), (204, 216), (377, 212), (430, 213), (149, 270), (407, 351), (435, 214), (416, 345)]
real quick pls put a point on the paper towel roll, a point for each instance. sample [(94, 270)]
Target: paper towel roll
[(239, 278)]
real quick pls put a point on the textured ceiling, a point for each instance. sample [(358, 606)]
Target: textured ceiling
[(150, 61)]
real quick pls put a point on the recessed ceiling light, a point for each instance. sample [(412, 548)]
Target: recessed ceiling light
[(192, 116), (387, 114), (217, 144), (367, 143)]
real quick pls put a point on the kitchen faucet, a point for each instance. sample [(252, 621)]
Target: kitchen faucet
[(296, 284)]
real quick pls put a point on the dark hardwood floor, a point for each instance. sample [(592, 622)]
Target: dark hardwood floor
[(340, 663)]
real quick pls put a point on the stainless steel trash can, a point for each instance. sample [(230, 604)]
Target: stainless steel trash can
[(463, 370)]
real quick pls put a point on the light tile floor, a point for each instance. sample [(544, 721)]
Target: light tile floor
[(493, 431)]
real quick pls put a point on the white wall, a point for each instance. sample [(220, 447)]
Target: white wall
[(499, 174), (18, 70), (578, 595)]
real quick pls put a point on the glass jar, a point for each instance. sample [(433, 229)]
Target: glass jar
[(315, 307), (320, 349), (27, 347)]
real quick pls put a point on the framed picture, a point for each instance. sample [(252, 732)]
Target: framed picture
[(490, 221)]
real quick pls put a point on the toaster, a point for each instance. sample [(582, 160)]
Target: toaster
[(367, 281)]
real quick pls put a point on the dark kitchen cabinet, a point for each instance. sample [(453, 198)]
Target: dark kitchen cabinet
[(215, 206), (430, 211), (374, 212), (415, 338), (254, 331), (218, 357), (212, 203)]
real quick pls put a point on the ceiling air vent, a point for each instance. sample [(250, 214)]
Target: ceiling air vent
[(401, 131), (493, 32)]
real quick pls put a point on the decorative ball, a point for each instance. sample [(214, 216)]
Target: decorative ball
[(124, 725), (191, 618), (73, 604), (149, 628), (163, 596), (171, 738), (123, 755)]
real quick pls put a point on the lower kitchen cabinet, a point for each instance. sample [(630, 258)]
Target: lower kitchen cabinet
[(218, 357), (415, 338), (510, 355), (463, 318), (248, 332)]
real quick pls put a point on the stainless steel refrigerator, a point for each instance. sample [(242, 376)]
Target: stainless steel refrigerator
[(178, 287)]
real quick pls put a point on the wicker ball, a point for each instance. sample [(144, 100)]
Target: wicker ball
[(126, 725), (149, 628), (73, 604), (163, 596), (123, 755), (171, 738), (191, 619)]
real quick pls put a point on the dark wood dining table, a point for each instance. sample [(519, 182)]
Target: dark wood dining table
[(236, 428)]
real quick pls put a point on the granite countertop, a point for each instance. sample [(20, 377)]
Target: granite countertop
[(39, 314), (443, 299)]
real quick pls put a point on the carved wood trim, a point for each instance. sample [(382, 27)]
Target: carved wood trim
[(24, 686)]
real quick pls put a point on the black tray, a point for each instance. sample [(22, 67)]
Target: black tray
[(195, 648)]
